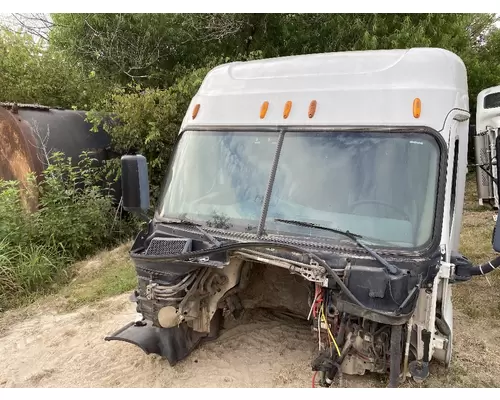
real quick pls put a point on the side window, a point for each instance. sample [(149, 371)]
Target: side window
[(492, 100), (454, 182)]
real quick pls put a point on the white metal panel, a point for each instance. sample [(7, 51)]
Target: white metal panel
[(351, 88), (487, 117)]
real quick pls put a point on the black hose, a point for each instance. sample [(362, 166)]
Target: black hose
[(395, 356), (344, 353), (336, 365), (485, 268), (341, 332)]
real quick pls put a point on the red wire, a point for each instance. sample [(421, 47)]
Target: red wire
[(319, 300), (314, 379)]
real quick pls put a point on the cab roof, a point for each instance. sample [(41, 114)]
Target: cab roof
[(362, 88)]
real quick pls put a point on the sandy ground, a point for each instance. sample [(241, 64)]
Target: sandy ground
[(68, 350), (262, 350)]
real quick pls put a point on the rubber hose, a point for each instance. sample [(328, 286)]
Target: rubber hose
[(486, 267), (464, 268), (341, 332)]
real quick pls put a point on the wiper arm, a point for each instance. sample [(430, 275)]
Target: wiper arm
[(392, 269), (184, 221)]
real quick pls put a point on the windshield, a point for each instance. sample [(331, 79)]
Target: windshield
[(382, 186), (219, 178)]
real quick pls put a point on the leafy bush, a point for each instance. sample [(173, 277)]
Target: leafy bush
[(75, 218), (14, 222)]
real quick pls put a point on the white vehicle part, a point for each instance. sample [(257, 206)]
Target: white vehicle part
[(440, 346)]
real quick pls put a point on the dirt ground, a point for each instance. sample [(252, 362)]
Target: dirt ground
[(68, 350), (48, 349)]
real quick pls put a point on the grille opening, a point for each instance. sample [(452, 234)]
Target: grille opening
[(164, 246)]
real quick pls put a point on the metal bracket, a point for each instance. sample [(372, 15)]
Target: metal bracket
[(445, 270), (312, 272), (439, 342)]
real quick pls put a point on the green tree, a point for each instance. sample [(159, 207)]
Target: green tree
[(32, 72), (157, 61), (146, 48)]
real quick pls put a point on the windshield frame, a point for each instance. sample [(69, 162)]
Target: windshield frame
[(424, 250)]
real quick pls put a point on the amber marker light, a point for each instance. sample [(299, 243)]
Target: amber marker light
[(286, 111), (417, 108), (312, 109), (196, 109), (263, 109)]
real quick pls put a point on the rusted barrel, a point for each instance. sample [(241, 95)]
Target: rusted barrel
[(29, 132)]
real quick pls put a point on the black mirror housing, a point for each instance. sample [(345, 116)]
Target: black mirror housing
[(135, 183)]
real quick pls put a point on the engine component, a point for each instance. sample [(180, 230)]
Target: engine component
[(369, 350), (168, 317), (327, 365)]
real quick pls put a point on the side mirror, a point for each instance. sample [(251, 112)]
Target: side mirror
[(135, 184), (496, 230)]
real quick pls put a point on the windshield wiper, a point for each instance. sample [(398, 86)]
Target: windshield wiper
[(184, 221), (392, 269)]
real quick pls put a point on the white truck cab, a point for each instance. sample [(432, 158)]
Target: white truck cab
[(347, 169)]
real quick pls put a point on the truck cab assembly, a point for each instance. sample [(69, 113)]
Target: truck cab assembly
[(343, 170)]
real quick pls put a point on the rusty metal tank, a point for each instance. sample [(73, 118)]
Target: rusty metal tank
[(28, 132)]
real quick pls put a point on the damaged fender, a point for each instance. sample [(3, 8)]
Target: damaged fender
[(174, 343)]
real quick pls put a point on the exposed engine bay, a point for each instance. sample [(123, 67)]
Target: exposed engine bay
[(363, 317)]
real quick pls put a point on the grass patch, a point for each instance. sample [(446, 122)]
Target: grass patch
[(27, 272), (109, 273)]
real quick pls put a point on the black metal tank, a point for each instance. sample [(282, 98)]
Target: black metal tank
[(28, 131)]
